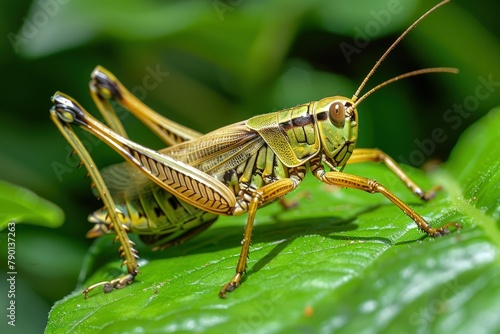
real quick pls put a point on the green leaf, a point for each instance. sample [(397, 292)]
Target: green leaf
[(22, 205), (342, 261)]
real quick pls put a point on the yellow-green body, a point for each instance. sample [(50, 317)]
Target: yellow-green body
[(243, 156)]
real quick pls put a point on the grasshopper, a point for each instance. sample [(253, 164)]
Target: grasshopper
[(170, 195)]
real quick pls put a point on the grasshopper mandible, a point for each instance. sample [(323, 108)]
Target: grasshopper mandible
[(170, 195)]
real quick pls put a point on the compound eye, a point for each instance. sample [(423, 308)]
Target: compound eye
[(337, 114)]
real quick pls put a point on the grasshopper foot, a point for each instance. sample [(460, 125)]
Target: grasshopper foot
[(441, 231), (431, 193), (109, 286), (229, 287)]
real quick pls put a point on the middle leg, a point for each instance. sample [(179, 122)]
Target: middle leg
[(266, 194)]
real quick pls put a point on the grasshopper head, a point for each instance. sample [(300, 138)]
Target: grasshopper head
[(337, 116), (337, 121)]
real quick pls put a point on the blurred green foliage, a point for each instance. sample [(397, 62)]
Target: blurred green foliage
[(225, 63), (22, 205)]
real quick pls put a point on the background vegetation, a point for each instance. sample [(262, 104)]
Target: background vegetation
[(225, 63)]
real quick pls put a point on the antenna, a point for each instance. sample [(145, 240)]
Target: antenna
[(396, 42), (406, 75)]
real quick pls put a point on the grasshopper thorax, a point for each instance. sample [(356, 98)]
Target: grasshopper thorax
[(337, 123)]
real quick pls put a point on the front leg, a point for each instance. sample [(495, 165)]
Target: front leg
[(369, 185), (376, 155)]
